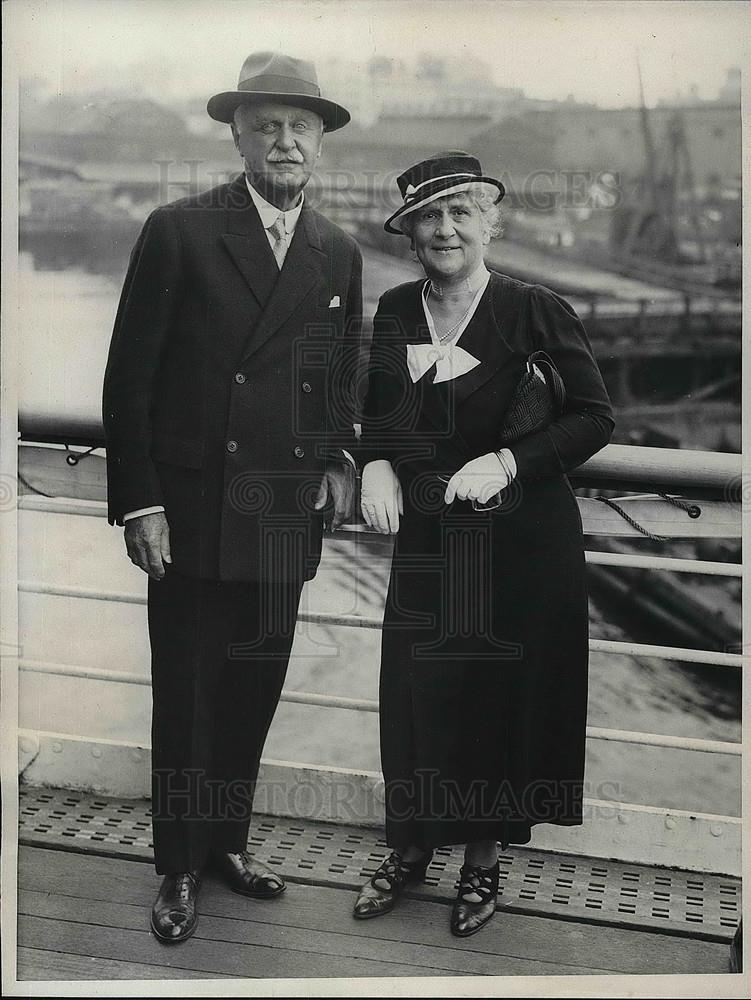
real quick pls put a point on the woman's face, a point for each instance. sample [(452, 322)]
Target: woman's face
[(449, 237)]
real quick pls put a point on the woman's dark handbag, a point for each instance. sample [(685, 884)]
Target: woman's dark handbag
[(538, 400)]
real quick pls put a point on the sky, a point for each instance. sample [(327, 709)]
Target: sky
[(549, 49)]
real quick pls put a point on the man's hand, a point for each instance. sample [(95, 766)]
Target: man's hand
[(381, 497), (338, 486), (147, 542)]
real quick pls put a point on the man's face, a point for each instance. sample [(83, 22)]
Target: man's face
[(279, 145)]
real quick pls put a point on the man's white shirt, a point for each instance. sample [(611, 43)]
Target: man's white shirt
[(270, 213)]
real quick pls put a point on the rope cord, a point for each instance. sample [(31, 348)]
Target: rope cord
[(693, 510)]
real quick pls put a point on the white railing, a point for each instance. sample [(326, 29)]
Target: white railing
[(685, 654), (631, 832), (366, 705), (617, 466)]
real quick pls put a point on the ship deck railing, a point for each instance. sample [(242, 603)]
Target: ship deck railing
[(630, 869)]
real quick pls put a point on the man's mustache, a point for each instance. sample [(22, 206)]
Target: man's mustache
[(286, 158)]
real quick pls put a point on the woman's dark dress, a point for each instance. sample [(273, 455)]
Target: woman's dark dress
[(483, 687)]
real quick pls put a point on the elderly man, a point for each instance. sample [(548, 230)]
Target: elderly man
[(221, 409)]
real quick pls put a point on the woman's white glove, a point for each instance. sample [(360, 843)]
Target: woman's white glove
[(381, 497), (480, 479)]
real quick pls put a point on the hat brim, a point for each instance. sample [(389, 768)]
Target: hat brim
[(222, 107), (442, 190)]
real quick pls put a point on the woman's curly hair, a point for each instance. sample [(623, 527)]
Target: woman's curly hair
[(489, 209)]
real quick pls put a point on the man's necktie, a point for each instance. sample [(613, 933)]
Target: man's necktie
[(279, 247)]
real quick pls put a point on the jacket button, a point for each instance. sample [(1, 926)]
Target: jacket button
[(239, 378), (232, 446), (307, 387), (299, 452)]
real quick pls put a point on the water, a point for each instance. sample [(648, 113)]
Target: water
[(65, 323)]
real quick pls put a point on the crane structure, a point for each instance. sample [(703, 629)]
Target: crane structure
[(646, 225)]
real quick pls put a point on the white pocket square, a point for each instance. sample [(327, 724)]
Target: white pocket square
[(335, 302)]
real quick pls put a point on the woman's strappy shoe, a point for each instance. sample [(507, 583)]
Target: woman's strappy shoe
[(476, 899), (387, 884)]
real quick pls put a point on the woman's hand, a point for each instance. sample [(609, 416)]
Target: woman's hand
[(381, 497), (479, 479)]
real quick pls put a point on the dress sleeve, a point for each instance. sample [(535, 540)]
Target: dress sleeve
[(587, 422), (384, 421)]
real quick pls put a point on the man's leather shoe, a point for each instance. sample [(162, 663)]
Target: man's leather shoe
[(248, 877), (174, 915)]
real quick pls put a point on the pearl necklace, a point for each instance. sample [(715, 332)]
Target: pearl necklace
[(437, 289), (443, 338)]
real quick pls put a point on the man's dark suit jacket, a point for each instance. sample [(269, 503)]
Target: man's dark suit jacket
[(223, 392)]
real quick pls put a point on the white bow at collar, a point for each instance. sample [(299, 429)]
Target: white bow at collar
[(451, 361)]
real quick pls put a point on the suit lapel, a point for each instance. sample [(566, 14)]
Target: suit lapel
[(247, 243), (302, 271)]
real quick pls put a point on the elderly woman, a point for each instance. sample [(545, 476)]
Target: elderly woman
[(483, 688)]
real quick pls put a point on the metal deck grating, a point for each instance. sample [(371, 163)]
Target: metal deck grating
[(568, 886)]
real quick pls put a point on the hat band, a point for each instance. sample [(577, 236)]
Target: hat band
[(444, 192), (271, 84), (414, 188)]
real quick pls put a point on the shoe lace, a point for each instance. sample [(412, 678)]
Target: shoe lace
[(395, 870), (185, 883), (258, 871), (479, 881)]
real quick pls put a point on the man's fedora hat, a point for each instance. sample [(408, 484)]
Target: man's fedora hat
[(271, 76), (441, 175)]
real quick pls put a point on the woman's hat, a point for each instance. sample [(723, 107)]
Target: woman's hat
[(441, 175), (270, 76)]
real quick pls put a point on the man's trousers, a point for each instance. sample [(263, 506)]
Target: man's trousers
[(219, 654)]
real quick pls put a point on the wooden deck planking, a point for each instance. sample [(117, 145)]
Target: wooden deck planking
[(96, 877), (199, 954), (568, 947), (421, 958), (38, 964), (79, 907)]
